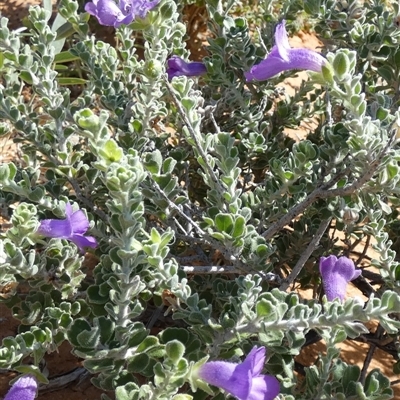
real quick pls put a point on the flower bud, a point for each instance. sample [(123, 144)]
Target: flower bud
[(153, 69), (350, 216)]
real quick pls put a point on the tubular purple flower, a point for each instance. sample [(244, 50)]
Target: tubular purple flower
[(336, 274), (244, 381), (283, 58), (179, 67), (23, 389), (72, 228), (110, 14)]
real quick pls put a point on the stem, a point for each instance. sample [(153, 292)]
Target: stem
[(322, 192), (193, 135), (306, 255)]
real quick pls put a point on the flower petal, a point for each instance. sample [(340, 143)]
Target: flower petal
[(336, 274), (327, 264), (254, 362), (267, 68), (125, 6), (356, 274), (79, 222), (91, 8), (335, 287), (283, 58), (244, 381), (55, 228), (140, 8), (179, 67), (106, 11), (264, 387), (282, 41), (23, 389), (305, 59), (231, 377), (345, 267), (257, 356), (275, 64), (68, 210), (84, 241), (125, 21)]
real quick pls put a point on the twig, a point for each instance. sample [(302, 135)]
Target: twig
[(323, 192), (211, 269), (367, 361), (176, 222), (228, 269), (193, 134), (155, 317), (306, 255), (318, 193), (174, 207), (378, 334), (86, 201), (63, 380), (212, 242), (364, 252)]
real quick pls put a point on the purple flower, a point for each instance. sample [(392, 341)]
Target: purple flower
[(72, 228), (336, 274), (282, 58), (244, 381), (23, 389), (110, 14), (178, 67)]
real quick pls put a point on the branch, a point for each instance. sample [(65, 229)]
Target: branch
[(306, 255), (64, 380), (193, 135), (296, 210), (323, 192), (211, 241)]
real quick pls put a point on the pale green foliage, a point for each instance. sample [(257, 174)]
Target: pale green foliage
[(180, 177)]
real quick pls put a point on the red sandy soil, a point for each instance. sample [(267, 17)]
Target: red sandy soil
[(57, 363)]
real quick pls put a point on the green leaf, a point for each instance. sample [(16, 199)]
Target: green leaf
[(70, 81), (37, 194), (137, 334), (65, 31), (312, 7), (341, 65), (27, 77), (96, 365), (31, 370), (147, 344), (111, 152), (351, 375), (175, 350), (224, 223), (47, 5), (106, 327), (78, 326), (239, 227), (58, 44), (65, 57), (175, 333), (138, 362), (127, 392), (386, 73), (397, 58), (153, 162), (264, 308)]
